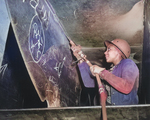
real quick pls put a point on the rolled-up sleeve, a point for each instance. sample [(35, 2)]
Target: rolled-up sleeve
[(87, 79), (125, 82)]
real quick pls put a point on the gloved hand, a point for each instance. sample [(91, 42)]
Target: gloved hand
[(96, 69), (77, 51)]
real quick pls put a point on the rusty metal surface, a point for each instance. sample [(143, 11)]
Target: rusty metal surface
[(140, 112), (90, 23), (146, 55), (45, 51)]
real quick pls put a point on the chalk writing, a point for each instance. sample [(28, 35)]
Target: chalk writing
[(36, 39), (59, 67), (48, 46), (52, 80), (44, 16), (41, 11), (3, 69)]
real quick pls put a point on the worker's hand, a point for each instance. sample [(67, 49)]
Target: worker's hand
[(96, 69), (77, 51)]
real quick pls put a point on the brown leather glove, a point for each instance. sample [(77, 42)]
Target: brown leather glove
[(77, 51)]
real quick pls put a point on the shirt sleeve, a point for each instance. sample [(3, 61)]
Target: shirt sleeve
[(87, 79), (125, 83)]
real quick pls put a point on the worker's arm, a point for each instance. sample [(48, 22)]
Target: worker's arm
[(87, 78), (125, 83)]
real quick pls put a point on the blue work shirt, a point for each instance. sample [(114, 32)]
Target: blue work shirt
[(123, 82)]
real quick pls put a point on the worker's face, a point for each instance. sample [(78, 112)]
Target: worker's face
[(111, 54)]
